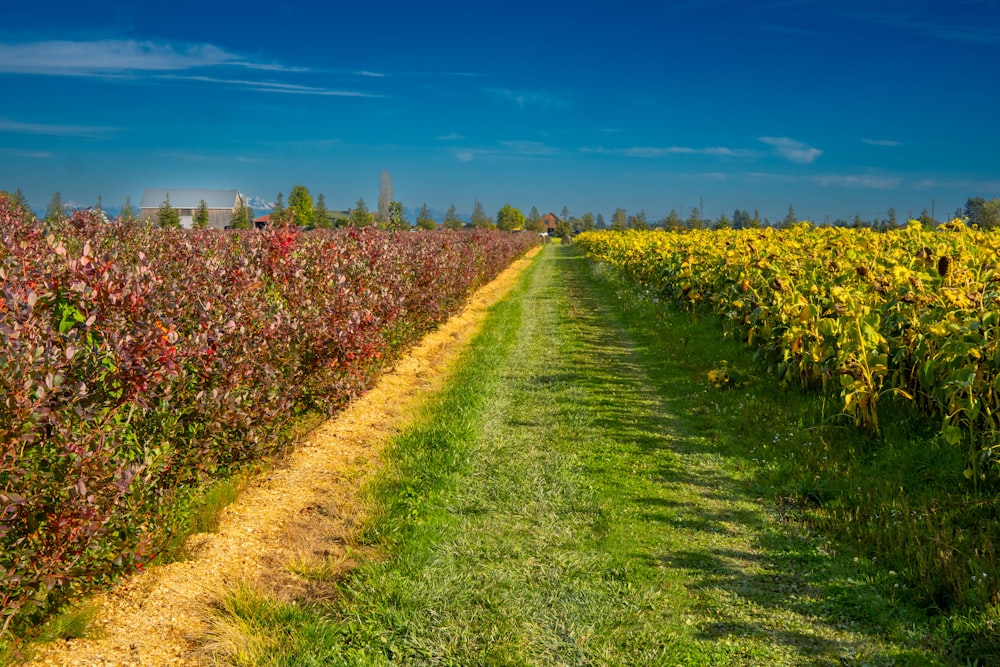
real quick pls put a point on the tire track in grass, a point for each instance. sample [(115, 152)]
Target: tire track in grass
[(553, 509)]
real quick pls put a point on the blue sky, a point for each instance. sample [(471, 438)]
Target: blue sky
[(844, 107)]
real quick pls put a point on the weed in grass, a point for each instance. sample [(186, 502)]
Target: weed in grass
[(200, 513), (73, 623)]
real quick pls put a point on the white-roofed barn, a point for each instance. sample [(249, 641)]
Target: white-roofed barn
[(222, 204)]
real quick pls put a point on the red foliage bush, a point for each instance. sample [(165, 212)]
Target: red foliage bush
[(137, 361)]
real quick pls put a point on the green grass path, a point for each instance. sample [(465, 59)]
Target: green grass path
[(564, 503)]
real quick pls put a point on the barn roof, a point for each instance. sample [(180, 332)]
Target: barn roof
[(190, 198)]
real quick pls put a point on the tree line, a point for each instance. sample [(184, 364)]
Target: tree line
[(302, 210)]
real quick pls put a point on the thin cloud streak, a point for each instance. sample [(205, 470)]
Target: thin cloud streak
[(659, 152), (270, 86), (104, 57), (855, 181), (525, 99), (864, 181), (507, 150), (792, 150), (82, 131), (31, 155), (882, 142)]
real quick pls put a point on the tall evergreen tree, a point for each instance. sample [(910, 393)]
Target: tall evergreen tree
[(129, 213), (321, 215), (56, 210), (278, 210), (424, 219), (167, 215), (21, 202), (741, 219), (360, 216), (694, 220), (790, 218), (619, 219), (673, 221), (451, 219), (201, 215), (242, 217), (479, 218), (638, 221), (533, 223)]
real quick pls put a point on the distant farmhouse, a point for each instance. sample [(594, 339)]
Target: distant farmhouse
[(222, 204), (549, 223)]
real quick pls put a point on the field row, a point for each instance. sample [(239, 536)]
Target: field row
[(862, 314), (138, 362)]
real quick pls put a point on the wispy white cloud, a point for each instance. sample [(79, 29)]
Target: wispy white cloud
[(270, 86), (882, 142), (987, 187), (792, 150), (712, 176), (859, 181), (104, 57), (527, 148), (30, 155), (659, 152), (863, 181), (83, 131), (508, 150), (768, 177), (451, 136), (537, 99), (162, 61)]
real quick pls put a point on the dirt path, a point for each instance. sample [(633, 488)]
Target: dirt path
[(302, 511)]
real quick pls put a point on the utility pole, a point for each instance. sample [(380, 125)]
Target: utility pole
[(933, 217), (701, 205)]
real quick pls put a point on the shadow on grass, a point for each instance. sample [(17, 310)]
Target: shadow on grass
[(638, 390)]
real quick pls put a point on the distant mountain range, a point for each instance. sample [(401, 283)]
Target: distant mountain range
[(259, 205)]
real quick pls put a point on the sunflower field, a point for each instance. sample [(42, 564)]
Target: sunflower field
[(858, 313)]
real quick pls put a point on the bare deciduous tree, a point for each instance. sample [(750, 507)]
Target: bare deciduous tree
[(384, 196)]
